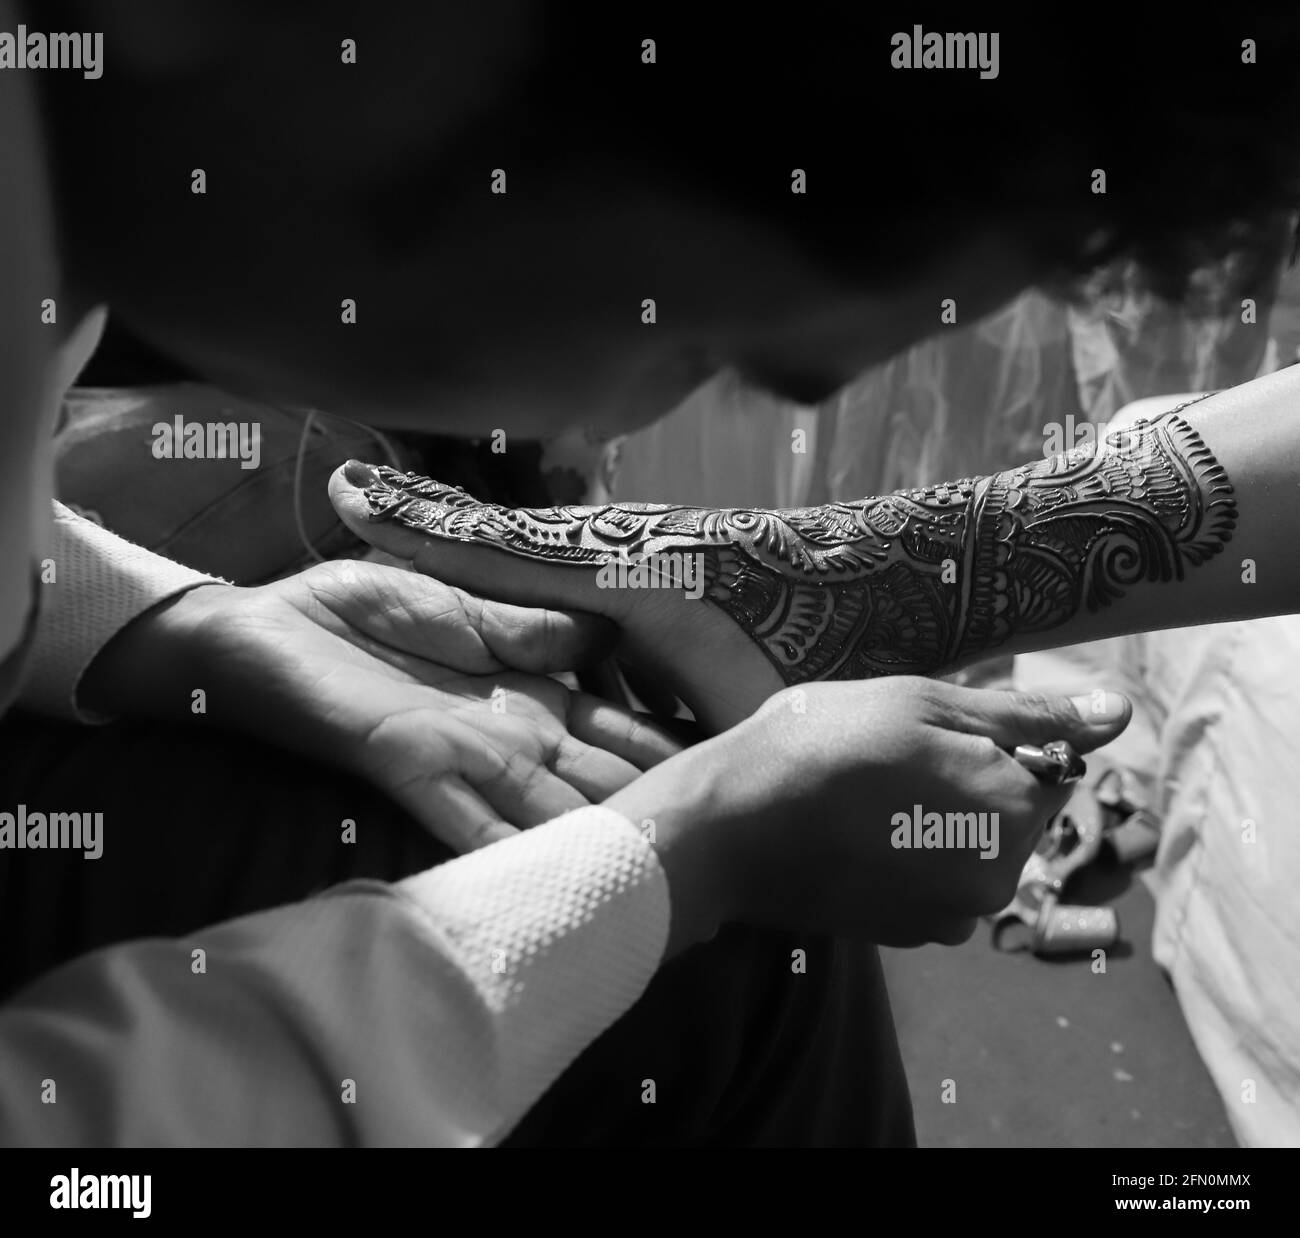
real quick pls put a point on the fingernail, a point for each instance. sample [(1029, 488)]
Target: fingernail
[(1099, 706), (359, 474)]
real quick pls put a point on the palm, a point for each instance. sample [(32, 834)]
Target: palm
[(410, 684)]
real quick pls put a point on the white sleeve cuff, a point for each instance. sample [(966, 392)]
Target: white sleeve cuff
[(559, 929), (101, 582)]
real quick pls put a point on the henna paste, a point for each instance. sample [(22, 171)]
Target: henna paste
[(905, 584)]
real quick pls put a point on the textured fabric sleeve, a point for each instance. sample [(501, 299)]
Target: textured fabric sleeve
[(432, 1012), (101, 583), (553, 955)]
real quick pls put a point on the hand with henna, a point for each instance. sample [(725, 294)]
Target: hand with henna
[(728, 606)]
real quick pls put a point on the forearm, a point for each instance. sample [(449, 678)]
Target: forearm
[(150, 667), (1187, 519), (1171, 526), (688, 808)]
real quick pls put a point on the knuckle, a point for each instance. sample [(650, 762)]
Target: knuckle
[(909, 688), (479, 835), (637, 733), (1051, 709), (984, 748), (542, 636)]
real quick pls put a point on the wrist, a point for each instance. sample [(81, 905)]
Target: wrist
[(148, 667), (681, 807)]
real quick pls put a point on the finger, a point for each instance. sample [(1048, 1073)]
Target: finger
[(1025, 803), (634, 736), (1045, 799), (407, 613), (470, 568), (347, 494), (426, 619), (1031, 805), (536, 797), (1016, 783), (537, 578), (1012, 718), (406, 619), (454, 813), (544, 641), (593, 773)]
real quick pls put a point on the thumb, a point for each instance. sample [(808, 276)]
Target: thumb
[(1087, 721), (544, 641), (390, 608)]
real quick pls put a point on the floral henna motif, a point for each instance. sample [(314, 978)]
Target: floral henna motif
[(905, 584)]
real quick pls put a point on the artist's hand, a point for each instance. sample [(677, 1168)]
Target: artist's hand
[(796, 816), (438, 698)]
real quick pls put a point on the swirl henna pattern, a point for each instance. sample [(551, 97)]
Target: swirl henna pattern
[(909, 583)]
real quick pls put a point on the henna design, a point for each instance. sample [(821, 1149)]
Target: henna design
[(905, 584)]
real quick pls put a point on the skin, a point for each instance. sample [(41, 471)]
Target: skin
[(916, 581), (799, 807), (1187, 518), (440, 699)]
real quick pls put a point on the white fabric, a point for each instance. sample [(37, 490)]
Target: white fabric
[(1228, 907), (1214, 741), (398, 989), (101, 583)]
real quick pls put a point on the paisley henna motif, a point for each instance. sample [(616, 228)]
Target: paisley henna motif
[(905, 584)]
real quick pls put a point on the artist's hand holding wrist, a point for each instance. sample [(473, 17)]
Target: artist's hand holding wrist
[(798, 816), (438, 698)]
